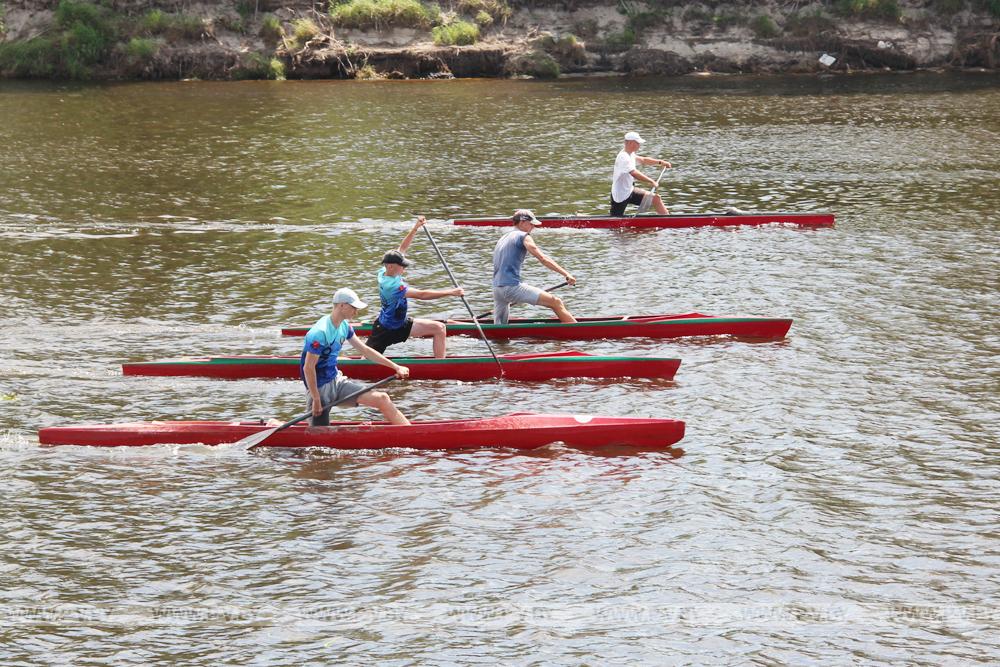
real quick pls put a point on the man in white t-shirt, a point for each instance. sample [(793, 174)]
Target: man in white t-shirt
[(623, 190)]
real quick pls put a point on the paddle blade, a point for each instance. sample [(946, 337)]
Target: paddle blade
[(647, 202), (255, 439)]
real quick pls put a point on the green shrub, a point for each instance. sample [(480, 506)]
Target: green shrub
[(538, 64), (270, 29), (459, 33), (498, 10), (764, 26), (727, 19), (882, 9), (483, 19), (259, 66), (302, 31), (620, 41), (87, 38), (37, 57), (140, 49), (948, 7), (172, 26), (810, 24), (991, 7), (378, 14), (154, 22)]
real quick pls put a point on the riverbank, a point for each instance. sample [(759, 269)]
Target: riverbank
[(370, 39)]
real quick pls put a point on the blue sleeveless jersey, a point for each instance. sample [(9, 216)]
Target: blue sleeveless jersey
[(392, 295), (325, 340), (508, 257)]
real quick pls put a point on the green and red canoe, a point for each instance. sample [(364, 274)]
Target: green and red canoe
[(518, 431), (657, 221), (525, 367), (593, 328)]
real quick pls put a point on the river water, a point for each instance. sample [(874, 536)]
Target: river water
[(836, 499)]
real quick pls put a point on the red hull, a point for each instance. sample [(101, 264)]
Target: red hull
[(645, 326), (518, 431), (522, 367), (656, 221)]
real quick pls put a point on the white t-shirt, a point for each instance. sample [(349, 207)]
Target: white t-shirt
[(622, 181)]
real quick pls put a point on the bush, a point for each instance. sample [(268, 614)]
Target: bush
[(620, 41), (483, 19), (378, 14), (270, 29), (947, 7), (991, 7), (172, 26), (87, 38), (302, 31), (459, 33), (809, 24), (498, 10), (764, 26), (882, 9), (140, 49), (29, 58), (259, 66)]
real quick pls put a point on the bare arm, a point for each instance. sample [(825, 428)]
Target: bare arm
[(408, 239), (309, 370), (548, 262), (428, 294), (402, 372), (656, 162)]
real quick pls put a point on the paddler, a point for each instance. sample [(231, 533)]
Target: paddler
[(392, 325), (508, 258), (318, 364), (623, 190)]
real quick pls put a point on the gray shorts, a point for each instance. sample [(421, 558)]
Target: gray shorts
[(506, 295), (332, 392)]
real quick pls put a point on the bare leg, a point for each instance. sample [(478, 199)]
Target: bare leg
[(658, 205), (425, 328), (381, 400), (557, 306)]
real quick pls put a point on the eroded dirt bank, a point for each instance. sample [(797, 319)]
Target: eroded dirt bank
[(130, 39)]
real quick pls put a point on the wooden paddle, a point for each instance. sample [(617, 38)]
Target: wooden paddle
[(256, 439), (454, 282), (647, 199), (550, 289)]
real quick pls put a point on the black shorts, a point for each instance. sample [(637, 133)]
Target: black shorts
[(618, 208), (382, 338)]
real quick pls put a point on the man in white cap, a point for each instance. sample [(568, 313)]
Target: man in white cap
[(623, 190), (508, 258), (392, 325), (318, 363)]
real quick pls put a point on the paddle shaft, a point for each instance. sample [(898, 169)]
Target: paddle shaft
[(256, 439), (467, 306), (550, 289)]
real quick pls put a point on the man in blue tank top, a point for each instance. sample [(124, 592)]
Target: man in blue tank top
[(318, 364), (508, 258), (392, 325)]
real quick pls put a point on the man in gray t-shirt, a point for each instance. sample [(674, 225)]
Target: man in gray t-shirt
[(508, 258)]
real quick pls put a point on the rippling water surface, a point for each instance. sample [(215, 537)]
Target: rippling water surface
[(836, 501)]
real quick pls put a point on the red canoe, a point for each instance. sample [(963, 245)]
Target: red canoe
[(518, 431), (592, 328), (657, 221), (524, 367)]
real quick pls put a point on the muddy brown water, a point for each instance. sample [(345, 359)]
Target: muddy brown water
[(837, 499)]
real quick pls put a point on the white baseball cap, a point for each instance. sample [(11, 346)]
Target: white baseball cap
[(347, 295), (634, 136), (525, 215)]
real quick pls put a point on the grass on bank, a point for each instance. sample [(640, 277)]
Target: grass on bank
[(381, 14), (459, 33)]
